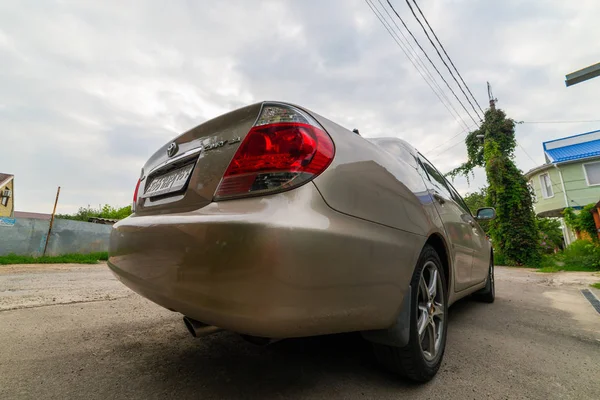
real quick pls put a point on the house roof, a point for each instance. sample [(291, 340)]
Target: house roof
[(575, 151), (34, 215), (574, 147), (537, 169), (5, 178)]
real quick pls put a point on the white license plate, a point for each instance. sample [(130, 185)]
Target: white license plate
[(169, 182)]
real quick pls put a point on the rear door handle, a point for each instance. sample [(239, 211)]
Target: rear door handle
[(439, 198)]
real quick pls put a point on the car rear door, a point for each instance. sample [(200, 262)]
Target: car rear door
[(479, 243), (457, 223)]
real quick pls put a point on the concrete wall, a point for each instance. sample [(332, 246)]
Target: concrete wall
[(28, 236)]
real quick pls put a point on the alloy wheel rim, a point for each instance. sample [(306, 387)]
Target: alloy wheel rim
[(431, 311)]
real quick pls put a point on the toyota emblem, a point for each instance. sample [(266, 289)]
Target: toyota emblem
[(172, 149)]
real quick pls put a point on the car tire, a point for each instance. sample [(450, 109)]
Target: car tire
[(413, 361), (488, 293)]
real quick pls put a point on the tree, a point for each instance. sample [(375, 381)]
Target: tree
[(478, 200), (551, 236), (514, 232), (106, 211)]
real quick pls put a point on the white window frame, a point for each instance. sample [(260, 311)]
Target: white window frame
[(543, 186), (586, 175)]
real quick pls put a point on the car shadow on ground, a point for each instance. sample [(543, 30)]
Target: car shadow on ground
[(226, 366)]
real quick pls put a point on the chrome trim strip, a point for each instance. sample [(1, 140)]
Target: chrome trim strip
[(180, 157)]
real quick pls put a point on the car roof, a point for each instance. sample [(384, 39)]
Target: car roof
[(383, 140)]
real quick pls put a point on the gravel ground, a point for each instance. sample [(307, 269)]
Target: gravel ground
[(75, 332)]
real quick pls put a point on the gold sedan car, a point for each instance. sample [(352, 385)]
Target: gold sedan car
[(274, 222)]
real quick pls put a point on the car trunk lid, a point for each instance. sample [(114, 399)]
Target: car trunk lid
[(184, 173)]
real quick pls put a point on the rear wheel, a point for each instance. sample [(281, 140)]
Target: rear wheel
[(488, 293), (420, 359)]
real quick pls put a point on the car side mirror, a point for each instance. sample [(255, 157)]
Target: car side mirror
[(486, 214)]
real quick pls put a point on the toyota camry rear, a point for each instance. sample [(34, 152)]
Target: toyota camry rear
[(274, 222)]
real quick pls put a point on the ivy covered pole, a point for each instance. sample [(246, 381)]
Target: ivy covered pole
[(514, 232)]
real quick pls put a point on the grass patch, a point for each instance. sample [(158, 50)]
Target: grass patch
[(91, 258), (581, 255), (571, 268), (596, 285)]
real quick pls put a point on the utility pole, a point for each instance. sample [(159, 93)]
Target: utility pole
[(493, 100), (51, 222)]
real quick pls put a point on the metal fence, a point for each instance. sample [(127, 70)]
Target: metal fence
[(28, 237)]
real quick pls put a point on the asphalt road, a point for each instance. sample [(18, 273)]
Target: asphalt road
[(75, 332)]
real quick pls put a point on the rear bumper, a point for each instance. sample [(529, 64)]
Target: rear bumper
[(280, 266)]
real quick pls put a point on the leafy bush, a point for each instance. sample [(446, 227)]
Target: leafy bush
[(581, 255), (551, 236), (106, 211), (499, 259), (582, 221)]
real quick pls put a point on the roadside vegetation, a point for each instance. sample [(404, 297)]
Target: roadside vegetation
[(106, 211), (514, 232), (596, 285), (581, 255), (91, 258), (519, 237)]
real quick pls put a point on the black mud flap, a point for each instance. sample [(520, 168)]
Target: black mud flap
[(398, 334)]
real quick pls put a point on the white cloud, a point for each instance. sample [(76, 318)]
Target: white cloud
[(91, 89)]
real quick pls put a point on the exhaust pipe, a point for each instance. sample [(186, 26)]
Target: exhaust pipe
[(199, 329)]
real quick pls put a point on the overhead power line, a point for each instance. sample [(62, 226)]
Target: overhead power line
[(449, 59), (449, 140), (525, 151), (431, 62), (420, 62), (448, 148), (442, 58), (557, 122), (398, 42)]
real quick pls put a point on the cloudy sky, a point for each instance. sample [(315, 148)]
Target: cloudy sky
[(90, 89)]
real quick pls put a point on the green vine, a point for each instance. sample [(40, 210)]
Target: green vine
[(582, 221), (514, 232)]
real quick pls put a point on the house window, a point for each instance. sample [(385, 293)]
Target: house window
[(546, 184), (4, 201), (592, 173)]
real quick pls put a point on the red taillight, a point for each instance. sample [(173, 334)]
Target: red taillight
[(135, 195), (276, 155)]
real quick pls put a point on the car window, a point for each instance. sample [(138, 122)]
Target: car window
[(442, 183), (457, 198), (435, 177), (398, 150)]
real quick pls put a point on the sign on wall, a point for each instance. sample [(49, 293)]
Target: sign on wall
[(7, 200)]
